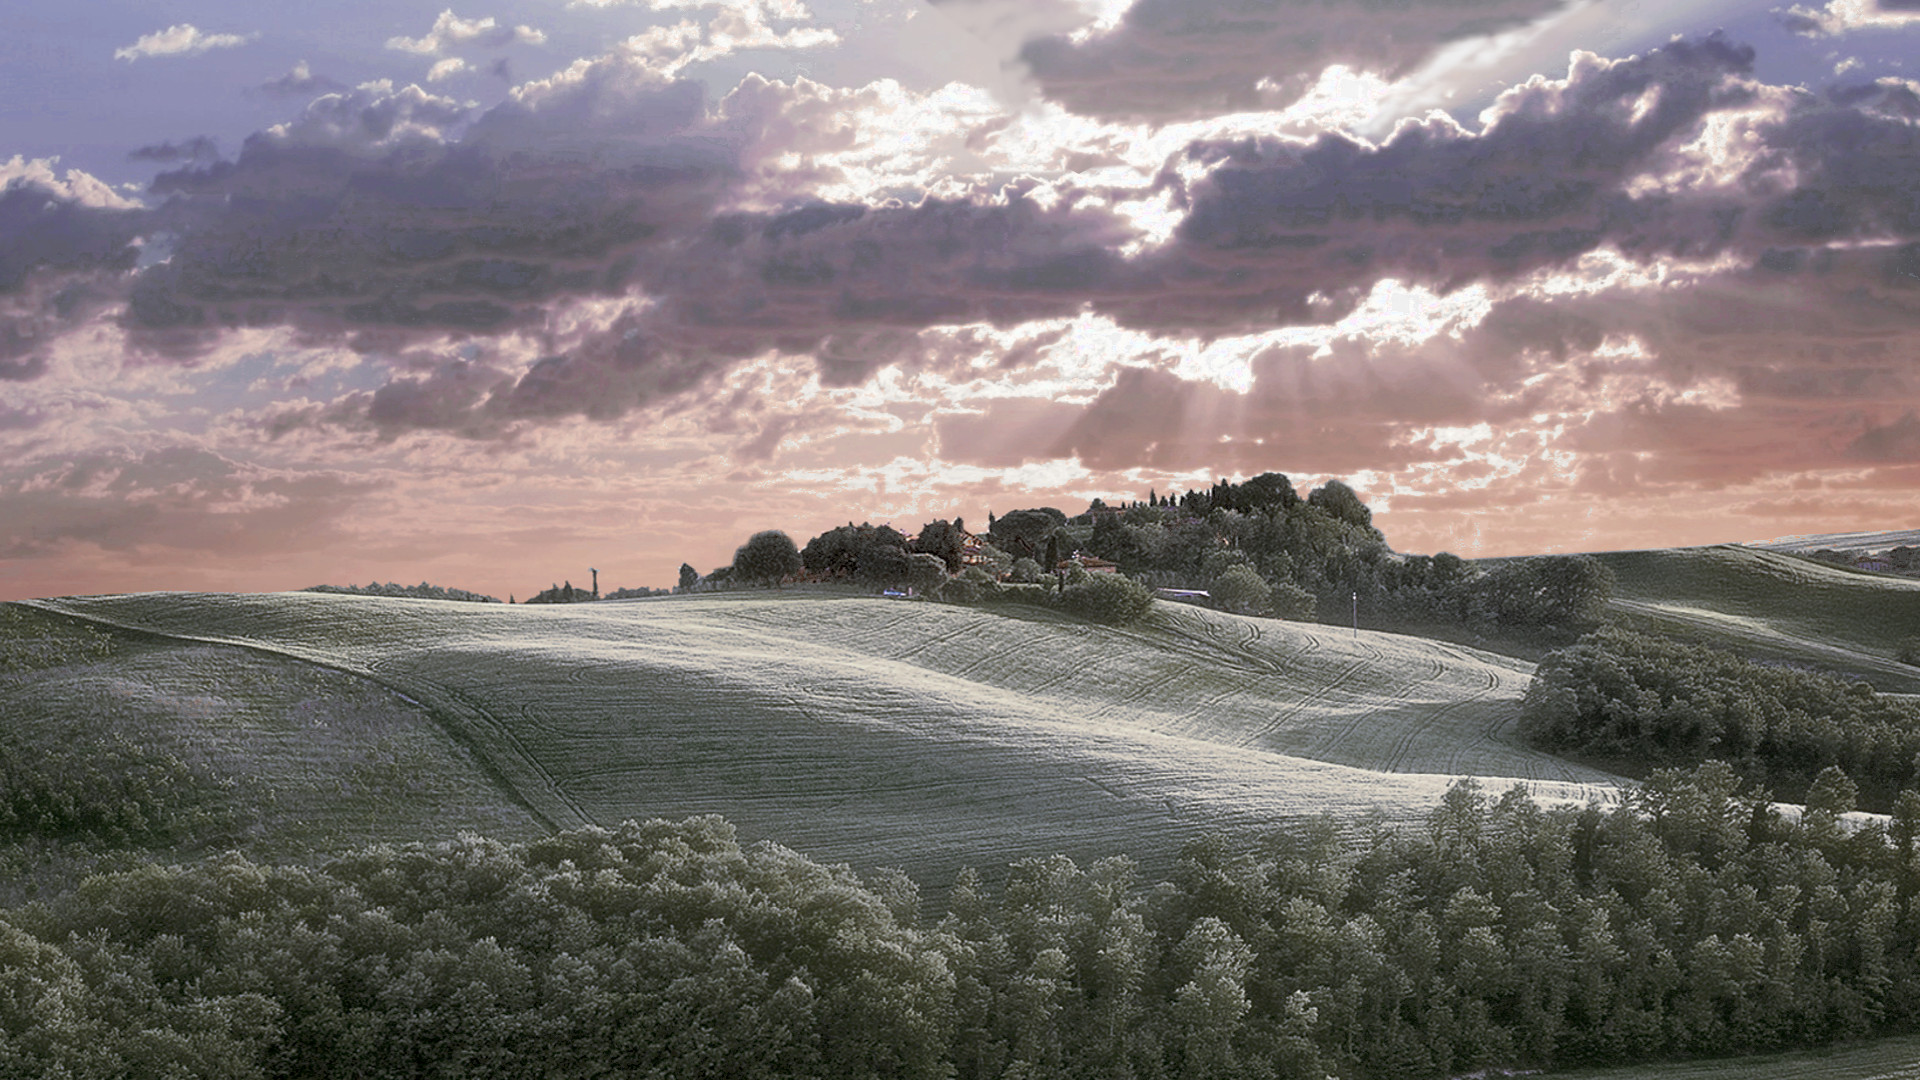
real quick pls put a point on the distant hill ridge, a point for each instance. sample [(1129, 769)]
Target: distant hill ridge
[(1860, 542)]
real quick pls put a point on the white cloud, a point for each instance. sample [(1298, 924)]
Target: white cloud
[(737, 26), (1844, 16), (450, 30), (181, 39), (446, 69), (83, 188)]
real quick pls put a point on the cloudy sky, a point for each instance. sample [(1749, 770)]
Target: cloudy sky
[(488, 295)]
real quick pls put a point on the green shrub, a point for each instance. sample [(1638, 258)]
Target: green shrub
[(970, 587), (1290, 601), (1030, 595), (1242, 590), (95, 783), (1108, 598)]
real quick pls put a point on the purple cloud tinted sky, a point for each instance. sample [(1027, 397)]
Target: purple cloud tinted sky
[(485, 296)]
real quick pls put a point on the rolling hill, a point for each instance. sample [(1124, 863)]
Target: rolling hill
[(1771, 605), (852, 729)]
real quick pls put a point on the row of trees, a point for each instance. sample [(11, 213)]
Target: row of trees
[(1653, 701), (1257, 547), (422, 591), (881, 557), (1692, 922)]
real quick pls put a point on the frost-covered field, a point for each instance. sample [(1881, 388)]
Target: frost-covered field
[(922, 735)]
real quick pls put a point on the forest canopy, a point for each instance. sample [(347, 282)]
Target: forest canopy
[(1692, 921)]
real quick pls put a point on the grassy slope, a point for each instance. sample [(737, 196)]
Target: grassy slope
[(884, 732), (318, 759), (1884, 1059), (1767, 604)]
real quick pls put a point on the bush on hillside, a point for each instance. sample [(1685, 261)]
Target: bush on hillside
[(1290, 601), (561, 594), (1241, 589), (636, 594), (926, 573), (970, 586), (1909, 651), (1029, 595), (91, 777), (1107, 598), (1657, 702)]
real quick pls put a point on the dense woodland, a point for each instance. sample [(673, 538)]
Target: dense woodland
[(1653, 701), (1693, 921)]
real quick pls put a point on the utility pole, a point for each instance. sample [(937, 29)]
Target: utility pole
[(596, 582), (1356, 614)]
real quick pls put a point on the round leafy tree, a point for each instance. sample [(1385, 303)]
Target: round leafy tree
[(767, 557), (1242, 590)]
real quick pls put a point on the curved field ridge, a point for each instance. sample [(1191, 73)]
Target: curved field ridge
[(886, 732), (1770, 604)]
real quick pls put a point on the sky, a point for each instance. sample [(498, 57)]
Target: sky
[(486, 296)]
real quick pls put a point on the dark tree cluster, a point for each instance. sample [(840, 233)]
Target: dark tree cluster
[(1322, 555), (874, 555), (1692, 921), (767, 558), (1024, 534), (422, 591), (561, 594), (1654, 701)]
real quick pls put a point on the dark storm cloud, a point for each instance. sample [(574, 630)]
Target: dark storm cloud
[(366, 222), (392, 220), (1856, 158), (1274, 222), (1350, 408), (59, 259), (21, 370), (42, 230), (1169, 60), (363, 222)]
